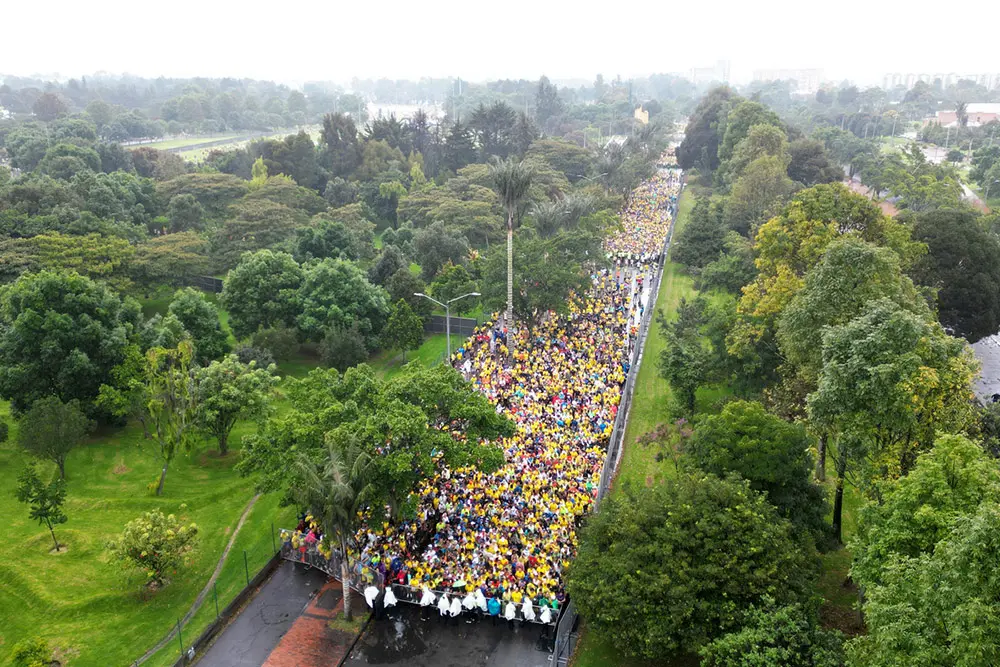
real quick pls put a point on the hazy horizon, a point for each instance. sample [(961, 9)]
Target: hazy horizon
[(313, 41)]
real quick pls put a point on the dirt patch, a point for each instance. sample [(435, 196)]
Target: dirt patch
[(120, 469), (63, 548)]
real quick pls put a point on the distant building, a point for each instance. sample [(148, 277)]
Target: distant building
[(641, 115), (807, 81), (908, 80), (979, 114), (717, 74)]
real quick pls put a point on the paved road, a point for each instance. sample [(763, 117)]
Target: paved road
[(404, 639), (251, 637)]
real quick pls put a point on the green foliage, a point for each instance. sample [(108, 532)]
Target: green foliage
[(702, 238), (214, 191), (169, 259), (890, 381), (685, 362), (336, 293), (405, 329), (281, 342), (758, 194), (700, 147), (229, 390), (254, 224), (390, 260), (34, 652), (772, 636), (436, 246), (62, 334), (201, 319), (938, 609), (452, 281), (394, 421), (105, 258), (668, 568), (963, 264), (404, 285), (155, 544), (343, 347), (64, 160), (739, 121), (170, 400), (809, 163), (50, 429), (185, 213), (45, 501), (261, 292), (770, 453), (850, 275), (919, 510)]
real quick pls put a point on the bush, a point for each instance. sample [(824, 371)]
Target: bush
[(155, 544), (281, 342), (248, 353), (34, 652), (343, 347), (4, 431)]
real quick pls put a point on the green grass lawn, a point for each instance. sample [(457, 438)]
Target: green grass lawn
[(184, 141), (78, 600), (431, 352)]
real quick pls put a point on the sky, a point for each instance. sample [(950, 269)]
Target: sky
[(294, 41)]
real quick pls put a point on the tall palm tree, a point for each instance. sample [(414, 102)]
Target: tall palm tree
[(511, 180), (335, 490)]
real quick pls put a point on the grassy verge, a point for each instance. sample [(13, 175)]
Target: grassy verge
[(431, 352), (79, 600)]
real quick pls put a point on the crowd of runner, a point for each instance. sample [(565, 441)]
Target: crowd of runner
[(500, 542)]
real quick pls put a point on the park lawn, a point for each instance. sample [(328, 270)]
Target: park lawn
[(430, 353), (183, 141), (78, 600), (259, 547)]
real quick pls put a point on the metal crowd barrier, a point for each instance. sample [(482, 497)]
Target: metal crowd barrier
[(566, 625)]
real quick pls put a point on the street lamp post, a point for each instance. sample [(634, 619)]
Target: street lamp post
[(447, 313)]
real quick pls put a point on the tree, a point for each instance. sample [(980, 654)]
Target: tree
[(63, 161), (810, 164), (336, 293), (700, 147), (405, 329), (758, 194), (770, 453), (701, 240), (49, 106), (940, 608), (771, 636), (170, 259), (51, 429), (95, 256), (435, 246), (665, 569), (254, 224), (44, 500), (335, 490), (511, 181), (963, 266), (154, 544), (230, 390), (343, 347), (171, 401), (404, 285), (390, 260), (201, 319), (126, 395), (261, 292), (62, 334), (685, 362), (185, 213), (920, 510), (739, 121), (460, 147), (548, 104), (452, 281), (850, 275), (890, 381), (391, 420), (572, 160)]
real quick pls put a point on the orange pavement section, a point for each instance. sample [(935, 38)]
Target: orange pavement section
[(310, 642)]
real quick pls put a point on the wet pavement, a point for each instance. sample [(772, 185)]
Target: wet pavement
[(250, 638), (404, 639)]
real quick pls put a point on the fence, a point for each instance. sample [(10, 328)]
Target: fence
[(566, 627), (294, 548), (206, 283), (460, 326), (245, 570)]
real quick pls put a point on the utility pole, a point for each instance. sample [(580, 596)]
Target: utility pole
[(447, 314)]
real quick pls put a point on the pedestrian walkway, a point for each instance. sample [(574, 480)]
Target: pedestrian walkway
[(311, 642), (253, 635)]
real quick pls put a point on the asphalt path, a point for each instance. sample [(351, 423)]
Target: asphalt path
[(250, 638)]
